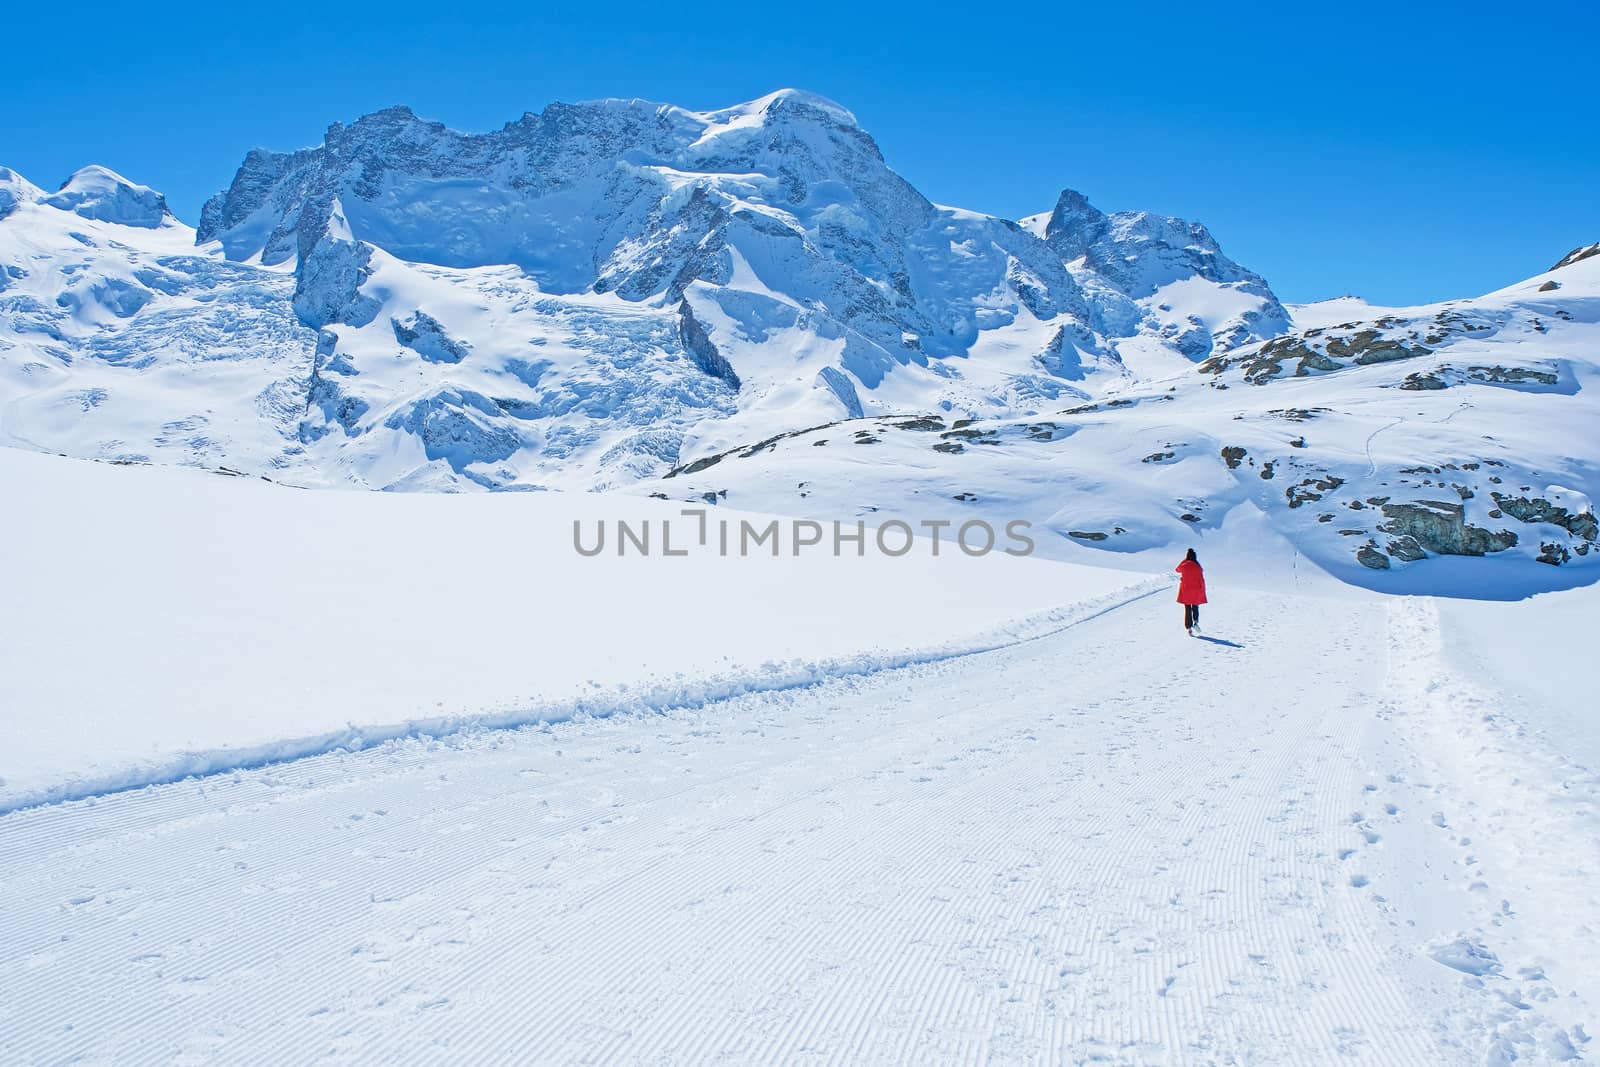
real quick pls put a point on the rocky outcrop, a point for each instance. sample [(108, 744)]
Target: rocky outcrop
[(1313, 352), (333, 268), (1369, 556), (1311, 489), (1440, 527), (1075, 226), (1060, 357), (426, 336), (1578, 255), (1537, 509), (702, 349)]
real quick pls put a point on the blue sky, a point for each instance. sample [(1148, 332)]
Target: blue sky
[(1403, 152)]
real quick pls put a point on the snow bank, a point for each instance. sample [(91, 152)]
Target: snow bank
[(1531, 651), (1498, 696), (164, 622)]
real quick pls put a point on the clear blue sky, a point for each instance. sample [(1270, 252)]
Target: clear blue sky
[(1401, 151)]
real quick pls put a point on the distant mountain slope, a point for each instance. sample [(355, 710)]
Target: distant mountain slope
[(1446, 448), (587, 296)]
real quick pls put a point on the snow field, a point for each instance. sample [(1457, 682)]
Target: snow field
[(165, 622), (1195, 851)]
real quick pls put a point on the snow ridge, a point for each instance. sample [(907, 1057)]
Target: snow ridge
[(657, 698)]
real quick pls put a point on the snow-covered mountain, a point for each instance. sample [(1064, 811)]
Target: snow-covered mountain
[(693, 304), (590, 295), (1368, 440)]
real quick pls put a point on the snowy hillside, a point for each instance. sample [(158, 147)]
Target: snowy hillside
[(1367, 445), (588, 296)]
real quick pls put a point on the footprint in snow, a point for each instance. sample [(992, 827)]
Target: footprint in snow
[(1467, 955)]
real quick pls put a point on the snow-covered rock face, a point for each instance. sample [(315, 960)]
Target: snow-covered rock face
[(790, 263), (1578, 255), (785, 199), (105, 195), (1174, 280)]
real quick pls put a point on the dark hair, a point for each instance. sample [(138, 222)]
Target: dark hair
[(1191, 557)]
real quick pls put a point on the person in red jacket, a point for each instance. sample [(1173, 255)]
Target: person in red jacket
[(1191, 591)]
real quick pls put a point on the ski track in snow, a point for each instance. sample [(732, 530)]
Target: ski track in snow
[(1213, 853)]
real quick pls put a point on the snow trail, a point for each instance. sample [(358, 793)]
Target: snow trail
[(1203, 852)]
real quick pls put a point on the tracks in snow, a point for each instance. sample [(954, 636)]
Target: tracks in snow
[(1106, 841)]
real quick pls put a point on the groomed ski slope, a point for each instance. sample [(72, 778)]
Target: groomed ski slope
[(1290, 843)]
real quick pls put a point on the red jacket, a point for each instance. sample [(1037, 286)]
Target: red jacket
[(1191, 583)]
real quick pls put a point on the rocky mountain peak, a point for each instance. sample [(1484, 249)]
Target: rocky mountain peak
[(1075, 225)]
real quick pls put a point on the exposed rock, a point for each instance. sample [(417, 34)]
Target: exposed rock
[(1266, 362), (1369, 556), (1060, 357), (927, 423), (1511, 375), (1552, 553), (425, 335), (1087, 535), (1550, 286), (840, 385), (1368, 346), (1233, 455), (700, 347), (1312, 489), (1407, 549), (333, 268), (1577, 255), (1441, 528), (1537, 509)]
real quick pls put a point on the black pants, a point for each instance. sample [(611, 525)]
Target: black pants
[(1191, 616)]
